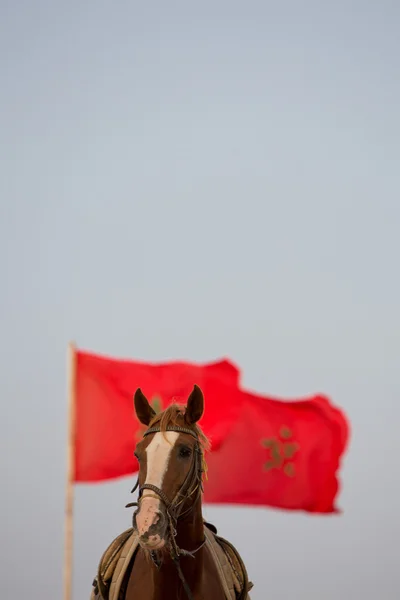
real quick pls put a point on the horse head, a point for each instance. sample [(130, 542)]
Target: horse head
[(171, 465)]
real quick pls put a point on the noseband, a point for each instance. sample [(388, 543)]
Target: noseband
[(192, 486)]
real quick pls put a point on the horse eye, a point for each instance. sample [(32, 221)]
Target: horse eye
[(185, 452)]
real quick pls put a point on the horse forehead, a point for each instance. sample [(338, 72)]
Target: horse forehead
[(158, 455), (162, 443)]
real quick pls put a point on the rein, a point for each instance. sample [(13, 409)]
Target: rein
[(193, 484)]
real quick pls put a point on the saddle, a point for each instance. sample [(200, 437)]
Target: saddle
[(111, 580)]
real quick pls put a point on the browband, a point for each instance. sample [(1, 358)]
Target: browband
[(170, 428)]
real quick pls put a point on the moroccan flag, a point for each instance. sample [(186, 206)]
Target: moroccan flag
[(106, 426), (280, 454)]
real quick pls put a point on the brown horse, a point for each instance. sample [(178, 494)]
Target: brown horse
[(173, 561), (171, 553)]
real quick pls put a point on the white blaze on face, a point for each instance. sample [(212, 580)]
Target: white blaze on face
[(158, 456)]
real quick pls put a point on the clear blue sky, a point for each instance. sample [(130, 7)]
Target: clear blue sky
[(192, 180)]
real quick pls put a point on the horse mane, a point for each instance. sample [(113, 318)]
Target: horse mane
[(173, 416)]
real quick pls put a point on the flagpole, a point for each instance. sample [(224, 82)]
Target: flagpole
[(69, 492)]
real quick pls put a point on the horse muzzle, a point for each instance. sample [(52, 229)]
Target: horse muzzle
[(151, 524)]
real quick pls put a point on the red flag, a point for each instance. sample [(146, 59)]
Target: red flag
[(107, 428), (280, 454)]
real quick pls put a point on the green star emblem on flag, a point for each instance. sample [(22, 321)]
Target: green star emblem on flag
[(281, 452)]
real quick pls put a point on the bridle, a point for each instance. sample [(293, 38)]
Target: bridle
[(192, 486)]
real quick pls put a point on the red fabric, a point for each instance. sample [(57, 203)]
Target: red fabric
[(247, 432), (305, 480), (106, 425)]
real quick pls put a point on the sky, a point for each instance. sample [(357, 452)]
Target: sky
[(197, 180)]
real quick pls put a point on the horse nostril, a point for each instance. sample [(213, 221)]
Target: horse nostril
[(159, 518)]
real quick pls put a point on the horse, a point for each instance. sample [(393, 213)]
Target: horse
[(178, 555)]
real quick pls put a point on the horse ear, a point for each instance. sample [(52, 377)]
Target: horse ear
[(195, 406), (143, 409)]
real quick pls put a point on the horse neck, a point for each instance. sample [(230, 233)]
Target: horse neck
[(190, 535), (190, 528)]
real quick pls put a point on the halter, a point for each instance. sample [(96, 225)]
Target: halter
[(193, 484)]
